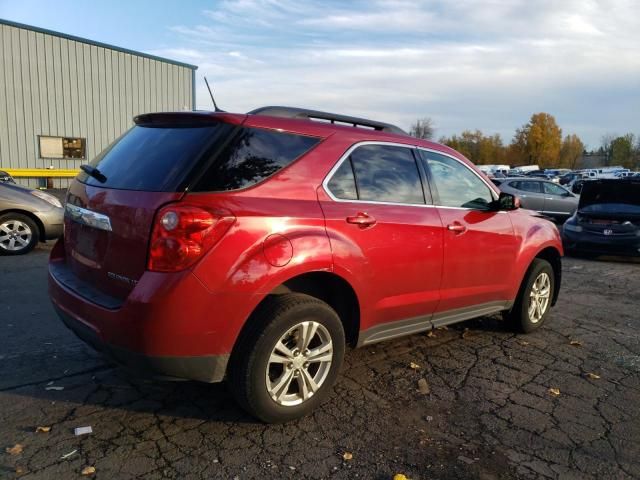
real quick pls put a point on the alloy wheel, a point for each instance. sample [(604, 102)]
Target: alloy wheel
[(14, 235), (299, 363), (539, 297)]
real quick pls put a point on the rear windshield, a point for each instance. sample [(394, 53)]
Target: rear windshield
[(153, 158), (169, 159)]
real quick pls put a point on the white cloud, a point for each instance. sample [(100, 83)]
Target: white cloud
[(475, 64)]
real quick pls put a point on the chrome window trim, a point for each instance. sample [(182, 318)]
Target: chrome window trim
[(87, 217), (345, 156)]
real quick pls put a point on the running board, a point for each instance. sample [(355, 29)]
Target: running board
[(401, 328)]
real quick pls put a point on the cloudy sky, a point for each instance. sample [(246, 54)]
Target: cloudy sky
[(486, 64)]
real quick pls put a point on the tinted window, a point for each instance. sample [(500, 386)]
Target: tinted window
[(456, 184), (553, 189), (385, 173), (342, 184), (154, 158), (527, 186), (253, 155)]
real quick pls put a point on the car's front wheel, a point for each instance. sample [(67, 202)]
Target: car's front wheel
[(534, 299), (288, 359), (18, 234)]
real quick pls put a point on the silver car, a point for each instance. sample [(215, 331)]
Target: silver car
[(543, 196), (26, 217)]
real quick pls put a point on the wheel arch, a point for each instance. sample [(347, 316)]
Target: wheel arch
[(323, 285)]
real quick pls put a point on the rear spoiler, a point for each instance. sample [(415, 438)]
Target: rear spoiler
[(187, 118)]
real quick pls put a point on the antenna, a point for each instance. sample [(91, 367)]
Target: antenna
[(215, 107)]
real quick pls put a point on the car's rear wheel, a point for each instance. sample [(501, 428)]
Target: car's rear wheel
[(18, 234), (534, 299), (288, 359)]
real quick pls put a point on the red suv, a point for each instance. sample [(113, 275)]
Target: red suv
[(256, 247)]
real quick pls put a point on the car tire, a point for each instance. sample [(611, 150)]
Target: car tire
[(19, 234), (537, 286), (282, 390)]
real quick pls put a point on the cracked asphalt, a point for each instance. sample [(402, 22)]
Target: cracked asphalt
[(491, 411)]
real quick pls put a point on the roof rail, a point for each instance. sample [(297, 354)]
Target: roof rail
[(334, 118)]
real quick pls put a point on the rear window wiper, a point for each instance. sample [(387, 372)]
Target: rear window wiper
[(94, 172)]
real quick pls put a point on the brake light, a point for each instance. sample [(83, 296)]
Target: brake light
[(182, 234)]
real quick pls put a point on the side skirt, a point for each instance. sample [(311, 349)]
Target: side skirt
[(400, 328)]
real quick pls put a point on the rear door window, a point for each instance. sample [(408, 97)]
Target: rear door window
[(387, 173), (153, 158), (253, 155)]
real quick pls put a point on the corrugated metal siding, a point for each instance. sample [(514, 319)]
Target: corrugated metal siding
[(61, 87)]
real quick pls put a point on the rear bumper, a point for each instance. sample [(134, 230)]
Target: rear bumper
[(208, 368), (170, 325), (588, 242)]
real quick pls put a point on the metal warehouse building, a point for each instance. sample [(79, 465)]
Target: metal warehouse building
[(63, 99)]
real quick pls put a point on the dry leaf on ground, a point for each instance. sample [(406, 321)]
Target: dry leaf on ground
[(400, 476), (524, 343), (43, 429), (15, 450), (414, 366), (88, 470), (554, 391), (575, 343), (347, 455), (593, 376), (423, 387)]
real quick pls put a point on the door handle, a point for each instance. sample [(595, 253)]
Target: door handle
[(457, 227), (548, 198), (361, 219)]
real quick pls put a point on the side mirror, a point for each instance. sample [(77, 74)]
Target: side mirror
[(507, 201)]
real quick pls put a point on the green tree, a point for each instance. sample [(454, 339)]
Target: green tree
[(622, 151), (571, 151)]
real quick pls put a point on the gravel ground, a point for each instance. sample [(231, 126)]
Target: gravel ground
[(491, 410)]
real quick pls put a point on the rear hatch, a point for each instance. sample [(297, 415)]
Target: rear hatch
[(610, 207), (110, 210)]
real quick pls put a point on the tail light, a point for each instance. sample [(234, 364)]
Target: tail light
[(182, 234)]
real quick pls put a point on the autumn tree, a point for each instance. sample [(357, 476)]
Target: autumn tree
[(541, 140), (423, 128), (479, 148), (516, 152), (571, 151)]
